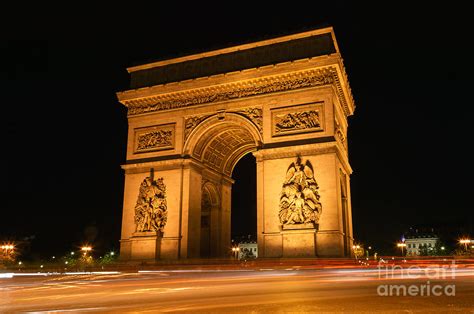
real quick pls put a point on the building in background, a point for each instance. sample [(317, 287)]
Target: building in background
[(244, 246), (422, 242), (248, 250)]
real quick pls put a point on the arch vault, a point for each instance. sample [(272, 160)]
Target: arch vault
[(191, 119)]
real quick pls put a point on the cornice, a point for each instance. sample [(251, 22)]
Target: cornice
[(322, 76), (236, 48), (304, 150)]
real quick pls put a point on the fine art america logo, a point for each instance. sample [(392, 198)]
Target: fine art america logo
[(432, 284)]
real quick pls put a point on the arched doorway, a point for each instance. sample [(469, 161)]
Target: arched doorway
[(244, 200), (218, 143)]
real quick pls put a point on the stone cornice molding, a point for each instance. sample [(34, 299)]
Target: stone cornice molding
[(160, 165), (236, 48), (177, 163), (304, 150), (332, 75)]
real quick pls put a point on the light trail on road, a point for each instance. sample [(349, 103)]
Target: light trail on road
[(229, 291)]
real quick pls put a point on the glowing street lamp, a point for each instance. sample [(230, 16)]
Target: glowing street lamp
[(236, 250), (358, 251), (8, 251), (86, 249), (401, 245), (465, 242)]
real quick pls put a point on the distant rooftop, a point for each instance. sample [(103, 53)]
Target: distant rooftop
[(282, 49), (421, 232)]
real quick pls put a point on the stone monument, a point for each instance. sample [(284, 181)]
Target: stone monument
[(285, 100)]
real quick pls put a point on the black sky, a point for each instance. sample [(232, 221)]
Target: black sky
[(64, 132)]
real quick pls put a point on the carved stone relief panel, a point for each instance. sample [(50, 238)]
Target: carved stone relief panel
[(298, 119), (190, 123), (254, 114), (158, 137), (339, 132), (299, 200), (151, 210)]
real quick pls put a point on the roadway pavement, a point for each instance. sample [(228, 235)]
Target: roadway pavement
[(283, 289)]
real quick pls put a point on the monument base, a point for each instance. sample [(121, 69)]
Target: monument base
[(145, 245), (299, 240)]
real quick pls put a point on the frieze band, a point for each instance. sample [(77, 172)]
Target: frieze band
[(225, 92)]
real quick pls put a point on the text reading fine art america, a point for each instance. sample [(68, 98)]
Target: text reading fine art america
[(151, 212), (299, 201)]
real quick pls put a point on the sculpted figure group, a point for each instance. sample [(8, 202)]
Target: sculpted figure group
[(150, 210), (299, 201)]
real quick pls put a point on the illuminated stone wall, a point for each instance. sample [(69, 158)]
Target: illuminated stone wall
[(192, 133)]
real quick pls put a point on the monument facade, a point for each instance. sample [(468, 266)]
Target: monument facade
[(285, 100)]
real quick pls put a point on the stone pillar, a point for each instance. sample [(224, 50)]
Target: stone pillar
[(179, 237), (225, 222), (191, 212), (215, 218), (327, 238), (145, 245)]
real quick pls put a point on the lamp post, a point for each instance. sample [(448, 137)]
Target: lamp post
[(7, 250), (401, 245), (465, 242), (356, 250), (235, 252), (86, 249)]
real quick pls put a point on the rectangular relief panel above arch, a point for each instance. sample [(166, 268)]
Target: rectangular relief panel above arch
[(154, 138), (298, 119)]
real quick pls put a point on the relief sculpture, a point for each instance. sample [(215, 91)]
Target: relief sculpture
[(297, 121), (190, 123), (154, 139), (232, 91), (255, 115), (299, 201), (151, 210)]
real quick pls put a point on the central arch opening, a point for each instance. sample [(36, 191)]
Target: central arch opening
[(244, 200), (223, 144)]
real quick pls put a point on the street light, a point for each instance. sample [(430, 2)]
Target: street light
[(86, 249), (465, 242), (356, 248), (8, 251), (235, 251), (401, 245)]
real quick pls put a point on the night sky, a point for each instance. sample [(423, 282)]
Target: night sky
[(64, 132)]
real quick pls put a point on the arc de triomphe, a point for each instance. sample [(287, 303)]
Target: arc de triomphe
[(285, 100)]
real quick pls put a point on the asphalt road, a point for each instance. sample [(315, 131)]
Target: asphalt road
[(264, 290)]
